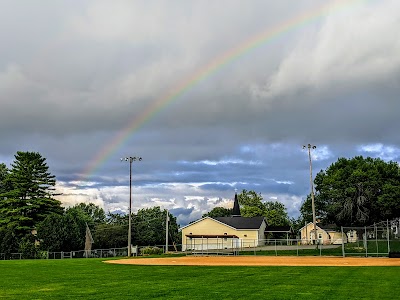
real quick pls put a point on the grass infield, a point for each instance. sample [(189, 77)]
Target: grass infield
[(93, 279)]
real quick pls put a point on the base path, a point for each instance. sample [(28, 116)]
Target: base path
[(261, 261)]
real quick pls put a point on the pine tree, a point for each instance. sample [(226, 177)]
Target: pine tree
[(3, 176), (29, 199)]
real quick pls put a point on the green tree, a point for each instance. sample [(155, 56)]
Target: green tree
[(52, 233), (218, 212), (76, 222), (252, 205), (113, 233), (117, 219), (95, 213), (4, 184), (27, 246), (9, 240), (148, 227), (65, 232), (107, 236), (276, 213), (320, 210), (29, 200), (358, 191)]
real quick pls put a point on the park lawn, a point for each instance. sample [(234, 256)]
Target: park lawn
[(93, 279)]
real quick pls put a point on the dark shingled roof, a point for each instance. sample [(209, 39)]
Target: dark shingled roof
[(279, 229), (211, 236), (241, 222), (332, 227)]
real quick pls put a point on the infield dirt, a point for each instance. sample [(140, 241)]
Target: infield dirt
[(261, 261)]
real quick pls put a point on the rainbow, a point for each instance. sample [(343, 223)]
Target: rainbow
[(210, 68)]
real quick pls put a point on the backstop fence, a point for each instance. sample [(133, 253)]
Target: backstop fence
[(379, 239)]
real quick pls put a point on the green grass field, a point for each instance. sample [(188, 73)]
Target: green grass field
[(93, 279)]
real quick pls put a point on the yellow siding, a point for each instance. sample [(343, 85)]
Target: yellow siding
[(330, 237), (208, 226), (307, 234), (336, 238)]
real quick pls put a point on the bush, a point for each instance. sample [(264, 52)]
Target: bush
[(27, 247), (151, 250)]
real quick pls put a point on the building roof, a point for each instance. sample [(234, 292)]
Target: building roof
[(287, 228), (210, 236), (242, 222), (327, 227)]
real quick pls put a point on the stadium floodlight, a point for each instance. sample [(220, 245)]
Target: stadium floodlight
[(309, 147), (130, 159)]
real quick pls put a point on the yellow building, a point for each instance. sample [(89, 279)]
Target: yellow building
[(326, 234), (221, 233), (224, 233)]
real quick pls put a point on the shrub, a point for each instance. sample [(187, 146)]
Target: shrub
[(151, 250)]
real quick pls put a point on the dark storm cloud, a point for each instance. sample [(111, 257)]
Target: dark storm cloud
[(73, 76)]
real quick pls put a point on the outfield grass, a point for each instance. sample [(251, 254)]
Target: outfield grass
[(92, 279)]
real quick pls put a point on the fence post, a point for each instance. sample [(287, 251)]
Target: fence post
[(343, 253), (366, 241), (387, 234), (276, 253), (376, 240)]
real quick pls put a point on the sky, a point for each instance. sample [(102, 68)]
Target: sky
[(215, 96)]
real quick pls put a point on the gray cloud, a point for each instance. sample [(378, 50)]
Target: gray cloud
[(73, 76)]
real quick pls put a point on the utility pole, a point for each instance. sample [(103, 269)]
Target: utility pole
[(130, 159), (166, 230), (309, 146)]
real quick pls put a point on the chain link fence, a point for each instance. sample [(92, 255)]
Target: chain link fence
[(268, 247), (379, 239), (96, 253)]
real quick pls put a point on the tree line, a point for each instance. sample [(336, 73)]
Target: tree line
[(355, 192), (32, 219), (350, 192)]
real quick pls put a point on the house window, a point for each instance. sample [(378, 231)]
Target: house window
[(225, 233), (245, 235)]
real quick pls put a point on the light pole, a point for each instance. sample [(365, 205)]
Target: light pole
[(166, 231), (309, 146), (130, 159)]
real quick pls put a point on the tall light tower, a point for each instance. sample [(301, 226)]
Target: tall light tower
[(309, 147), (130, 159), (166, 230)]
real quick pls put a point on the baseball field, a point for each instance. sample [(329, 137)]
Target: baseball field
[(202, 278)]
